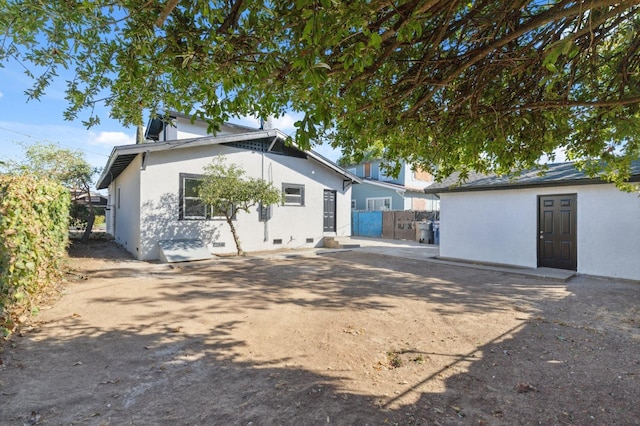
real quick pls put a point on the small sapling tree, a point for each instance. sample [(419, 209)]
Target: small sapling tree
[(228, 190)]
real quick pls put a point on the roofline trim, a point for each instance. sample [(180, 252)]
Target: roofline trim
[(508, 186), (135, 149)]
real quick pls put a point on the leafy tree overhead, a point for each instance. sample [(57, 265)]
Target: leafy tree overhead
[(66, 166), (372, 152), (444, 84), (228, 191)]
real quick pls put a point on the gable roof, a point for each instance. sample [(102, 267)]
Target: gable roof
[(386, 185), (157, 125), (558, 174), (392, 186), (121, 156)]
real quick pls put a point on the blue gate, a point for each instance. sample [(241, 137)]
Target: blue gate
[(366, 224)]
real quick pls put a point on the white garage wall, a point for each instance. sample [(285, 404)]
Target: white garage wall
[(489, 226), (608, 232), (501, 227)]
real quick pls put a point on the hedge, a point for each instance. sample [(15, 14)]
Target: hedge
[(34, 229)]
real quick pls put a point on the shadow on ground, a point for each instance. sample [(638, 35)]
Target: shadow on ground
[(187, 344)]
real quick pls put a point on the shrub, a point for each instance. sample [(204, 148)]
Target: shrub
[(34, 225), (78, 216), (99, 220)]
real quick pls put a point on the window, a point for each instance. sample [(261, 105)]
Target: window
[(191, 205), (381, 203), (367, 170), (293, 194), (118, 196)]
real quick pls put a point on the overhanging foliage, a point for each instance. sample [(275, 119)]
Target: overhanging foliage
[(444, 84)]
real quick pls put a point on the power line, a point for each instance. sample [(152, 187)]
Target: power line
[(52, 141)]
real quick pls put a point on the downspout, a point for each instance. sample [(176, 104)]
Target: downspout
[(266, 224)]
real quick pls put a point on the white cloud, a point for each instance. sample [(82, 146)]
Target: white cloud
[(111, 139), (1, 95), (284, 123)]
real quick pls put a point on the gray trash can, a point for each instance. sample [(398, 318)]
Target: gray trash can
[(424, 231)]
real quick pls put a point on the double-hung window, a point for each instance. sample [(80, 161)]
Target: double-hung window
[(293, 194), (380, 203), (191, 205)]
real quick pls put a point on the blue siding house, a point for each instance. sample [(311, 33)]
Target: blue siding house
[(379, 191)]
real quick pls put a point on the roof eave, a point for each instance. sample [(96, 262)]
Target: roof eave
[(501, 187)]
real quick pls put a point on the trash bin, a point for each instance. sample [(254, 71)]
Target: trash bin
[(424, 232)]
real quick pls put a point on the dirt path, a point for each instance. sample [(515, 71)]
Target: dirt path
[(345, 338)]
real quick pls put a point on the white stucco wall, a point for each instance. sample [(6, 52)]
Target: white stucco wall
[(183, 128), (489, 226), (501, 227), (159, 189), (125, 219), (608, 232)]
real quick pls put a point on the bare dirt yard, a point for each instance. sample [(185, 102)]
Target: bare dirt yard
[(347, 338)]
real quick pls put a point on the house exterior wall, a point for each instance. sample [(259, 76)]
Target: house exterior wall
[(399, 201), (361, 192), (416, 180), (123, 222), (407, 177), (501, 226), (183, 128), (429, 203), (293, 225)]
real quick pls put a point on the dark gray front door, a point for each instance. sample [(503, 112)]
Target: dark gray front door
[(557, 246), (329, 211)]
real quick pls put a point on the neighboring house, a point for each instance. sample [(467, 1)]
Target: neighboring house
[(562, 219), (98, 200), (151, 196), (383, 192)]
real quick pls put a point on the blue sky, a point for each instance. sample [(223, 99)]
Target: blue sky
[(28, 122)]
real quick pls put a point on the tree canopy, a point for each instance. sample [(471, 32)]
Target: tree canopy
[(447, 85)]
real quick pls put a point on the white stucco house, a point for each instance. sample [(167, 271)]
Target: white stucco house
[(562, 219), (152, 196)]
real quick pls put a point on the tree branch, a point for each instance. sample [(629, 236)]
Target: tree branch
[(168, 8), (551, 15)]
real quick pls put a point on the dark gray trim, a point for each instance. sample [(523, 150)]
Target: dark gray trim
[(182, 177), (557, 175), (292, 185), (121, 156)]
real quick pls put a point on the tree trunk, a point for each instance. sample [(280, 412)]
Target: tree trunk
[(92, 216), (235, 236)]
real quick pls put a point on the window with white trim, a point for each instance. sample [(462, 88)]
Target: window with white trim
[(293, 194), (379, 203)]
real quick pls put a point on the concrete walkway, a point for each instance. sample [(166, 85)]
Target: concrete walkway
[(429, 253)]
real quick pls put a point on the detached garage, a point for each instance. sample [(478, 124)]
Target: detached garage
[(562, 219)]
